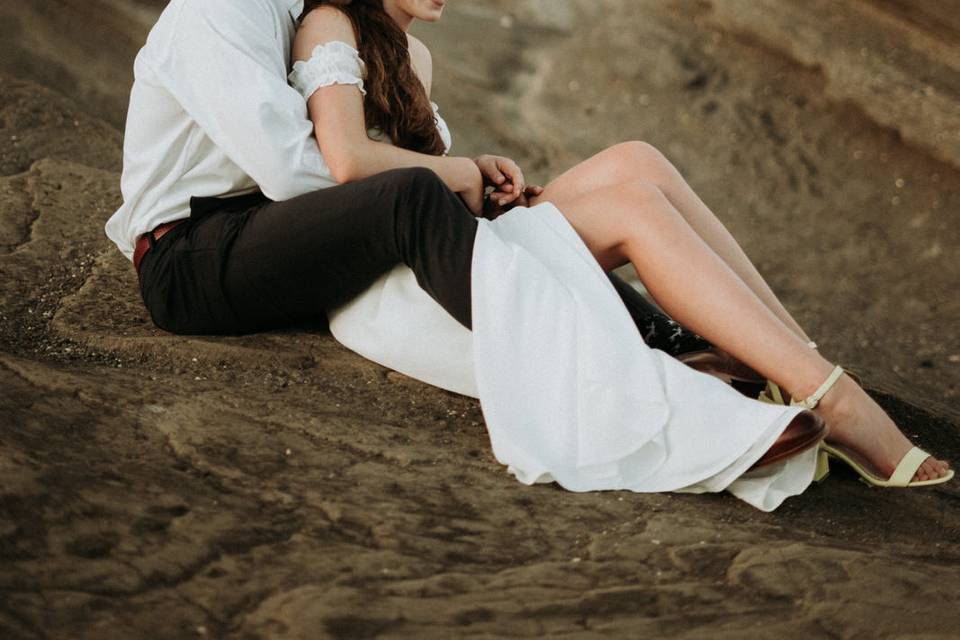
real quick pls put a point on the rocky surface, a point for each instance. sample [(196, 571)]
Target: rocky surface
[(897, 61), (278, 486)]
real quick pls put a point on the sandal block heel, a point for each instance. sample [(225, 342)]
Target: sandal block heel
[(806, 430), (823, 466)]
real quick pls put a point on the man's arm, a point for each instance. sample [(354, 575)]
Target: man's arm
[(225, 67)]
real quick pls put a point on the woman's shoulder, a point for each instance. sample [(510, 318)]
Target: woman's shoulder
[(324, 24), (325, 13), (419, 52), (421, 60)]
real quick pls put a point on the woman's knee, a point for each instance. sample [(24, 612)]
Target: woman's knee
[(643, 205), (640, 151), (619, 206), (642, 197), (643, 161)]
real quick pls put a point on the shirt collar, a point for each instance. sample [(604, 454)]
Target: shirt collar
[(296, 8)]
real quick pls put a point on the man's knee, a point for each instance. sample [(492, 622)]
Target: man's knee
[(434, 235), (412, 180), (425, 200), (422, 176)]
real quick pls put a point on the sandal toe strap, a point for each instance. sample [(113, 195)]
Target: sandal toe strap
[(907, 468)]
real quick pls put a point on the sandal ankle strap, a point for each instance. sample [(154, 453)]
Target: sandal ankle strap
[(814, 399)]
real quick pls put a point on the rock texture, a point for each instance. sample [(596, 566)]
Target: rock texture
[(897, 62), (81, 48), (278, 486)]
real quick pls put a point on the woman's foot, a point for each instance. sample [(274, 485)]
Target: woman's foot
[(859, 424)]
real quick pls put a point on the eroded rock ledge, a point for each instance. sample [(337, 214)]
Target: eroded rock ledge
[(899, 64)]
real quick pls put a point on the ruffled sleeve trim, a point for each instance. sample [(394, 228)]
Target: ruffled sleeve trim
[(442, 127), (330, 63)]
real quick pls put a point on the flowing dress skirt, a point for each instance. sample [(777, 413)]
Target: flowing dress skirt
[(569, 391)]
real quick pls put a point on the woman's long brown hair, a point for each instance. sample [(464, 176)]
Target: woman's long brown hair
[(396, 102)]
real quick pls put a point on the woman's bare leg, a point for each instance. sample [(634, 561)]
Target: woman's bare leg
[(638, 161), (636, 222)]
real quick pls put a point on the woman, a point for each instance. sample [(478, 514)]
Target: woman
[(359, 70)]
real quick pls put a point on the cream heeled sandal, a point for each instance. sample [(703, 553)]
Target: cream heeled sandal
[(901, 476)]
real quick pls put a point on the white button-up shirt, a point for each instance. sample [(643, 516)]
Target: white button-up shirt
[(211, 114)]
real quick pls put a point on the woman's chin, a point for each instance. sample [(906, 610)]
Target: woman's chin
[(431, 16), (432, 10)]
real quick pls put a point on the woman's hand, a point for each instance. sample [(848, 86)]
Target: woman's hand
[(504, 175)]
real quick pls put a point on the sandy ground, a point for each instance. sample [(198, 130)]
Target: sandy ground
[(278, 486)]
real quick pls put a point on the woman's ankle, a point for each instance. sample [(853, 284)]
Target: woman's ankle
[(817, 376), (840, 402)]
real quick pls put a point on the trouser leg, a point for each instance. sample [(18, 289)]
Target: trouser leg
[(286, 262), (657, 329)]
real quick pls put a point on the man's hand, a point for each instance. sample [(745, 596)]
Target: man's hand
[(492, 208)]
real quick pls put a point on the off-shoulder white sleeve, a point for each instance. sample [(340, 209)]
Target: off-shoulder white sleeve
[(442, 128), (334, 62)]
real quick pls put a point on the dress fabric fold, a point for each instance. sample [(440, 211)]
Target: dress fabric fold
[(569, 391)]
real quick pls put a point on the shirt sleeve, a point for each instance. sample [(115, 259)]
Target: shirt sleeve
[(225, 66)]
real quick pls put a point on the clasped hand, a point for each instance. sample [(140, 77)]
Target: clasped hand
[(503, 186)]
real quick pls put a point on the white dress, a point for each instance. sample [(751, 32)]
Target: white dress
[(569, 392)]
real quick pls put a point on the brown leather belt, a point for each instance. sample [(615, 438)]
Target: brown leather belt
[(143, 242)]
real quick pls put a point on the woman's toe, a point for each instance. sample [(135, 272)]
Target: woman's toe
[(931, 469)]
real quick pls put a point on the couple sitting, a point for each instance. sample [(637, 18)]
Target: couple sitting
[(456, 271)]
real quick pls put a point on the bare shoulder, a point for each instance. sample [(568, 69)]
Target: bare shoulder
[(419, 53), (422, 61), (324, 24)]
